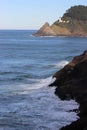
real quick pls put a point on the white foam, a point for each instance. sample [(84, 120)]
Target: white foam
[(42, 83), (39, 84), (45, 82), (61, 64)]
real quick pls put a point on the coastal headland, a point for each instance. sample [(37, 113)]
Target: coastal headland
[(71, 83), (72, 23)]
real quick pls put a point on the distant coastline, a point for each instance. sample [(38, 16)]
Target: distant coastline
[(70, 24)]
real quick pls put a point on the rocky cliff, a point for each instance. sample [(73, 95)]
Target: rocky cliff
[(72, 23), (71, 83), (47, 30)]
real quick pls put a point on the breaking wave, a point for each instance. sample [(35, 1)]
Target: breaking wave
[(61, 64), (39, 83)]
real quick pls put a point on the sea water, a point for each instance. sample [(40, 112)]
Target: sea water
[(27, 64)]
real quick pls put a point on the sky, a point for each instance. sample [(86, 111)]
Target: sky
[(32, 14)]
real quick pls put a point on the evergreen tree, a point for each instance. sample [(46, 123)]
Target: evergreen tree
[(77, 13)]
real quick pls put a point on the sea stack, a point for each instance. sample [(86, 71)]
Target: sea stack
[(71, 83)]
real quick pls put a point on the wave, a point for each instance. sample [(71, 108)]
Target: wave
[(45, 82), (39, 83), (25, 88), (61, 64), (58, 65)]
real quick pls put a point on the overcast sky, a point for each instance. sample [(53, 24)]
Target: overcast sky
[(32, 14)]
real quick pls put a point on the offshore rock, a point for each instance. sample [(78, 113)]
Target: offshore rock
[(71, 83)]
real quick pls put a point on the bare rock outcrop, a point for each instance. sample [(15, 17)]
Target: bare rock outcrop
[(45, 30), (53, 30), (71, 83)]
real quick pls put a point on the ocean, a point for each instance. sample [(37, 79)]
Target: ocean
[(27, 64)]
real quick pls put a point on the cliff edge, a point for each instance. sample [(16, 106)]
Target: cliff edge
[(71, 83), (72, 23)]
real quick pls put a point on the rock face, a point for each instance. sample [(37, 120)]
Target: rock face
[(74, 28), (71, 83), (47, 30)]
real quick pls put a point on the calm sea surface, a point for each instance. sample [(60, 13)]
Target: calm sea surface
[(27, 64)]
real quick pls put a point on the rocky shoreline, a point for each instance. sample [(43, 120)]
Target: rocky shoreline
[(71, 83)]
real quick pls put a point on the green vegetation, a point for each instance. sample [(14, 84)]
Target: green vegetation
[(75, 19), (77, 13)]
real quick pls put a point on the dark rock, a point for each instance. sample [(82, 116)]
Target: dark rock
[(71, 83)]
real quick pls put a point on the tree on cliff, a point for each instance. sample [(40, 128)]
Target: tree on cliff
[(77, 13)]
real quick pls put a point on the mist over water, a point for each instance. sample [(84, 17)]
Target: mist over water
[(27, 64)]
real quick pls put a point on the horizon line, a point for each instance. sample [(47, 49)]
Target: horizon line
[(18, 29)]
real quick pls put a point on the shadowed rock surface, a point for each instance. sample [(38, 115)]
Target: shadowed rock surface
[(71, 83)]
